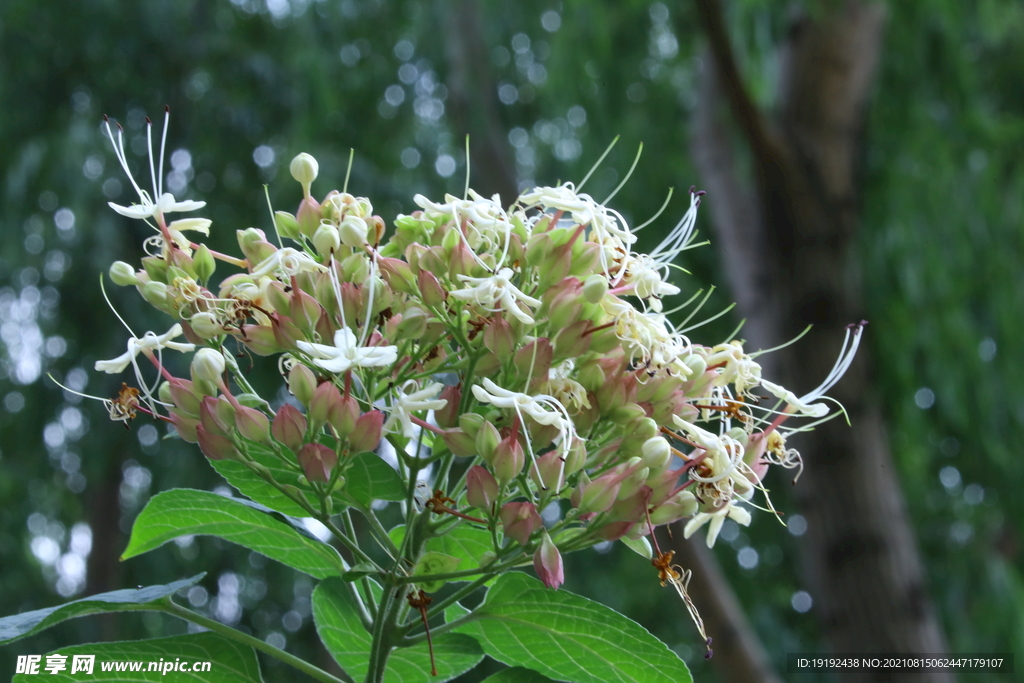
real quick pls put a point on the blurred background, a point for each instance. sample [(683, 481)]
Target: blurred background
[(862, 160)]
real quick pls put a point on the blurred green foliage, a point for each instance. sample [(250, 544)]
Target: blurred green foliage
[(252, 82)]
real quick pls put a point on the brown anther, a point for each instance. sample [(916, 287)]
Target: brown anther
[(420, 601), (438, 504)]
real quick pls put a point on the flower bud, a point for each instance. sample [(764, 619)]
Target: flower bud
[(595, 287), (208, 365), (520, 521), (304, 169), (123, 274), (613, 531), (591, 376), (155, 294), (631, 484), (206, 326), (548, 466), (183, 395), (682, 504), (325, 398), (576, 458), (252, 424), (185, 426), (217, 416), (260, 339), (215, 446), (304, 311), (656, 452), (572, 341), (499, 338), (599, 494), (471, 423), (396, 273), (156, 268), (481, 488), (538, 363), (641, 429), (413, 324), (326, 239), (696, 364), (431, 291), (367, 431), (355, 268), (286, 225), (290, 427), (317, 461), (353, 231), (459, 442), (308, 216), (203, 264), (547, 562), (487, 438), (508, 459), (247, 240), (631, 508), (343, 415), (460, 262), (302, 383), (538, 247)]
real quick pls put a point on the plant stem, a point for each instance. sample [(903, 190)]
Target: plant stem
[(383, 632), (168, 607)]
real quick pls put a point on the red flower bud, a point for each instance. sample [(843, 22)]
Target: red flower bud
[(459, 442), (317, 461), (449, 415), (547, 562), (217, 416), (366, 434), (431, 291), (499, 338), (215, 446), (290, 427), (252, 424), (302, 383), (481, 488), (508, 459), (185, 397), (325, 399), (520, 521), (342, 415), (185, 426)]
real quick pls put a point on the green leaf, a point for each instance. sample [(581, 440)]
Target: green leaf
[(343, 634), (360, 570), (180, 512), (253, 486), (566, 636), (127, 600), (434, 563), (465, 542), (517, 674), (369, 478), (229, 661), (641, 546)]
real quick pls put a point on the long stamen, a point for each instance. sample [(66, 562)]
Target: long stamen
[(152, 171), (119, 152), (163, 145), (103, 290)]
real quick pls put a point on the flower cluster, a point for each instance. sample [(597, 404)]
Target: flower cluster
[(519, 359)]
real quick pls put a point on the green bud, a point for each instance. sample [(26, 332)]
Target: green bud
[(203, 264), (156, 268), (595, 287), (487, 439), (304, 169), (471, 423), (155, 293), (208, 366), (326, 239), (302, 383), (286, 225), (123, 274), (206, 325), (355, 268)]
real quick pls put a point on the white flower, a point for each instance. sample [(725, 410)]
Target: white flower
[(286, 262), (534, 406), (165, 202), (496, 293), (148, 342), (739, 368), (804, 404), (716, 519), (347, 354), (406, 403)]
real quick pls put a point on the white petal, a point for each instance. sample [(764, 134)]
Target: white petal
[(198, 224), (336, 365), (714, 528), (114, 365), (318, 350), (133, 211)]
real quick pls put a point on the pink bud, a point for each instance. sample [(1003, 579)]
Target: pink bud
[(325, 399), (499, 338), (290, 427), (599, 494), (563, 302), (487, 438), (520, 521), (398, 275), (431, 291), (481, 488), (547, 562), (613, 531), (185, 426), (252, 424), (683, 504), (308, 216), (632, 508), (572, 341), (449, 415), (366, 434), (304, 310), (508, 459), (185, 397), (342, 415), (286, 332), (317, 461), (459, 442), (260, 339), (461, 261), (217, 416), (539, 362), (215, 446), (549, 465)]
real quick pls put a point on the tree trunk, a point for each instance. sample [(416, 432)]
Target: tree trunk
[(860, 560)]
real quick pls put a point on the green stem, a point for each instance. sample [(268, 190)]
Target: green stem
[(383, 633), (168, 607)]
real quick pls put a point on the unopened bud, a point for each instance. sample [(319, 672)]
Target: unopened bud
[(286, 225), (317, 461), (325, 398), (471, 423), (499, 338), (185, 426), (302, 383), (343, 415), (215, 446), (252, 424), (459, 442), (205, 325), (487, 438), (353, 231), (290, 427), (367, 431), (598, 495), (155, 294), (156, 268), (508, 460), (183, 395), (449, 415), (414, 323), (682, 504), (208, 365), (123, 274), (548, 466), (431, 291), (217, 416), (308, 216), (595, 287), (547, 562), (520, 521), (304, 169), (326, 239), (656, 452), (203, 264), (355, 268), (481, 488)]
